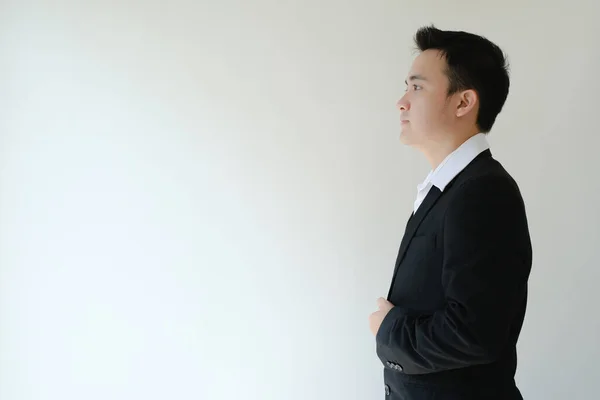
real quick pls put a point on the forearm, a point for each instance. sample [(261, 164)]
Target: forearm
[(444, 340)]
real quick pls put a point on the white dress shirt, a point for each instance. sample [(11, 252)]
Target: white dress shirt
[(451, 166)]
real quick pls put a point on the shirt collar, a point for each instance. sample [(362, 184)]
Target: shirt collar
[(456, 161)]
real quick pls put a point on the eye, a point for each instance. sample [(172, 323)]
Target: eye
[(414, 87)]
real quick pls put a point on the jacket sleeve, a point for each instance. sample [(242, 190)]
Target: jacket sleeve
[(486, 265)]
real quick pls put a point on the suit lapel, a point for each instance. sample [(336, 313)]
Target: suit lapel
[(413, 224)]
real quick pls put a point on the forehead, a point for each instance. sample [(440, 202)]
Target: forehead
[(429, 64)]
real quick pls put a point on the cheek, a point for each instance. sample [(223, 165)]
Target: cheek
[(422, 113), (429, 112)]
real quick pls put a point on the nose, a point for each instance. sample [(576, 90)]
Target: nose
[(402, 104)]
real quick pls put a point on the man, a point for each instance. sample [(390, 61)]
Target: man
[(449, 327)]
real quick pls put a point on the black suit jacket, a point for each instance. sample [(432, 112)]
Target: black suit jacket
[(460, 291)]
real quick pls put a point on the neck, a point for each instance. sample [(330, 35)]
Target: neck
[(436, 151)]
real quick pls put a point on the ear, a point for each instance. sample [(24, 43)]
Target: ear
[(467, 101)]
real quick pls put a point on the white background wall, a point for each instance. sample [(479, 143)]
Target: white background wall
[(202, 200)]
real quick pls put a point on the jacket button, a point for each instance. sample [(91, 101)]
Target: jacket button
[(387, 390)]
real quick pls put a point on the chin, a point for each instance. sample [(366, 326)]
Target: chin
[(405, 139)]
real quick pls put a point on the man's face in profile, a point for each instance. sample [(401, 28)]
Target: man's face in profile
[(424, 108)]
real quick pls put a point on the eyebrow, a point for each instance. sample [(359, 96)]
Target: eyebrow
[(415, 78)]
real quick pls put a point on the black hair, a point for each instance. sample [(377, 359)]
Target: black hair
[(473, 62)]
